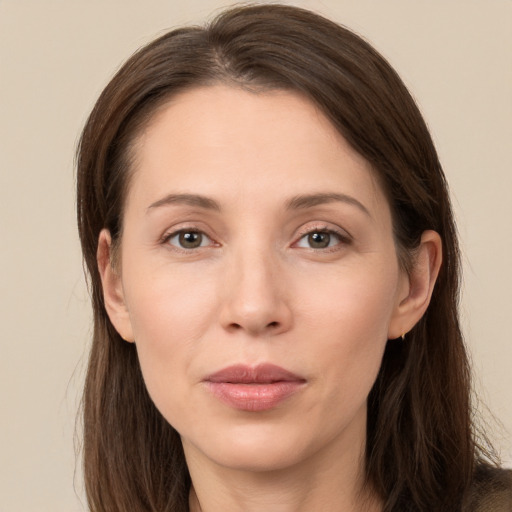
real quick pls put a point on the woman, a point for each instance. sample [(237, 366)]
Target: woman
[(274, 272)]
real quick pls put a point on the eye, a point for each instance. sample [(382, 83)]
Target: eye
[(321, 239), (188, 239)]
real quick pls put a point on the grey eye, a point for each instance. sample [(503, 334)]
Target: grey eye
[(188, 239), (319, 240)]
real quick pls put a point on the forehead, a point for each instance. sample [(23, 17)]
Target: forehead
[(229, 142)]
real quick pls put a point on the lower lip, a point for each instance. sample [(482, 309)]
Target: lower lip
[(254, 397)]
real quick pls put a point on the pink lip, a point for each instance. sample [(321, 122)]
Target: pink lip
[(253, 388)]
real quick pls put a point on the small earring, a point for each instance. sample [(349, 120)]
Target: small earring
[(403, 336)]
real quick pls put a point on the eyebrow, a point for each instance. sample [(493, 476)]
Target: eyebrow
[(188, 199), (299, 202), (304, 201)]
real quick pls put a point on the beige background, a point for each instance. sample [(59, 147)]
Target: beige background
[(55, 57)]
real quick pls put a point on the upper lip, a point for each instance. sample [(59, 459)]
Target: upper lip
[(260, 374)]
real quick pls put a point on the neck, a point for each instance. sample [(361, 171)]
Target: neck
[(302, 496)]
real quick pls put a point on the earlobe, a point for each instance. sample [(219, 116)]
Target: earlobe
[(413, 303), (113, 293)]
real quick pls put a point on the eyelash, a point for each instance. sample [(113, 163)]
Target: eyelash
[(168, 236), (343, 238)]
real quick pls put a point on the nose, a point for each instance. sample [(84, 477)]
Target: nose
[(255, 296)]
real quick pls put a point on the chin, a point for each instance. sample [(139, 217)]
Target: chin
[(257, 458), (257, 447)]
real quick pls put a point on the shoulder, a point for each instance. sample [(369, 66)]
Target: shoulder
[(491, 490)]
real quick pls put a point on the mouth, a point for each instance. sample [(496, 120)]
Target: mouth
[(253, 389)]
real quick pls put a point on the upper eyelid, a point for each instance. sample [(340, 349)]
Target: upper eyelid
[(341, 237), (168, 235), (301, 232), (324, 227), (170, 232)]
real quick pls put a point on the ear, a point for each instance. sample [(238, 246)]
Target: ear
[(113, 293), (418, 285)]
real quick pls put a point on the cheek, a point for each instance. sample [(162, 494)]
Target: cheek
[(355, 302), (170, 315), (168, 307), (350, 314)]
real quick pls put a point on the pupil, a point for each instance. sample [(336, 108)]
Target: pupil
[(190, 239), (319, 240)]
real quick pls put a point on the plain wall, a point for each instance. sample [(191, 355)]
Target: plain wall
[(57, 55)]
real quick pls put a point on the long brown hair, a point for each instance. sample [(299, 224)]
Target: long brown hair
[(421, 449)]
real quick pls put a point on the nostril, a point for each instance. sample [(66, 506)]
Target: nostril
[(273, 324)]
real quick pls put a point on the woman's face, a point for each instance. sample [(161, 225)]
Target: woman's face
[(255, 236)]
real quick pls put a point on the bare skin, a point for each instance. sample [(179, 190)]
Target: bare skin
[(254, 234)]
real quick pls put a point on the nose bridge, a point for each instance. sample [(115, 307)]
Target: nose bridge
[(256, 273), (255, 298)]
